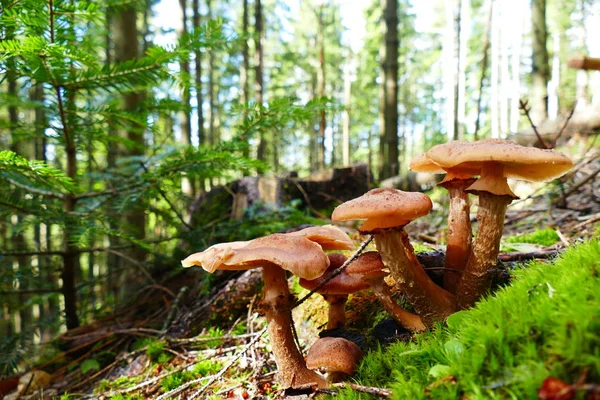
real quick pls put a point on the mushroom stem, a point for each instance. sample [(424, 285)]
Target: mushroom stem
[(431, 302), (276, 305), (484, 256), (337, 310), (408, 320), (458, 245)]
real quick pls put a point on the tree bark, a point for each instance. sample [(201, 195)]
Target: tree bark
[(187, 185), (321, 84), (540, 70), (127, 48), (245, 94), (259, 36), (484, 63), (198, 75), (390, 83), (346, 123)]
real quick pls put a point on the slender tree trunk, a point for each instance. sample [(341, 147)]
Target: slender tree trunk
[(484, 64), (517, 15), (259, 36), (211, 86), (198, 75), (391, 84), (495, 81), (581, 80), (187, 185), (506, 25), (450, 63), (553, 85), (321, 84), (540, 72), (463, 37), (245, 94), (347, 102), (127, 48)]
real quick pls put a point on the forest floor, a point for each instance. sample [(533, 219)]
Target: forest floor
[(537, 336)]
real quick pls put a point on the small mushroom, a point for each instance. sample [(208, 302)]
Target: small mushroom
[(367, 271), (495, 160), (459, 239), (387, 211), (336, 291), (336, 356), (275, 254)]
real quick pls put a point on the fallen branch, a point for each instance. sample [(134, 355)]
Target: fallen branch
[(365, 389), (225, 368)]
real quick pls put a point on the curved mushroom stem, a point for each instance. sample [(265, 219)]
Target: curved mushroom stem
[(276, 304), (484, 257), (337, 310), (458, 245), (408, 320), (431, 302)]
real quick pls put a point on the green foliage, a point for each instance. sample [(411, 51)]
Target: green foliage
[(544, 237), (207, 367), (89, 365), (546, 323), (155, 350)]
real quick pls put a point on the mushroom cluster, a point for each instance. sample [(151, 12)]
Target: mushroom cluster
[(479, 168)]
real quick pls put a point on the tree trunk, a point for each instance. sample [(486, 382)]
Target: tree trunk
[(321, 84), (245, 94), (187, 185), (346, 126), (259, 36), (211, 87), (516, 67), (553, 85), (463, 37), (539, 63), (198, 75), (506, 26), (391, 85), (450, 63), (495, 76), (484, 64), (127, 48)]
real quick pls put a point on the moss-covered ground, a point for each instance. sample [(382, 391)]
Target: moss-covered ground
[(546, 323)]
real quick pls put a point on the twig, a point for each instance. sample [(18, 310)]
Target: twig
[(134, 262), (563, 127), (148, 382), (173, 308), (365, 389), (586, 222), (523, 106), (336, 272), (307, 200), (577, 186), (562, 237), (225, 368), (206, 339), (171, 205)]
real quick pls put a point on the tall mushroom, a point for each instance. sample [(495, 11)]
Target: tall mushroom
[(387, 211), (367, 271), (495, 160), (275, 254), (458, 242)]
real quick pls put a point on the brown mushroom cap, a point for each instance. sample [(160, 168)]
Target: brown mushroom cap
[(423, 163), (383, 208), (297, 254), (525, 163), (350, 281), (330, 237), (334, 354), (211, 258)]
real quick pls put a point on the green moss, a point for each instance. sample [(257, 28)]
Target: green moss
[(154, 350), (206, 367), (544, 237), (171, 382), (546, 323)]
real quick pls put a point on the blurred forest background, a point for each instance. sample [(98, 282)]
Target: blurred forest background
[(116, 116)]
